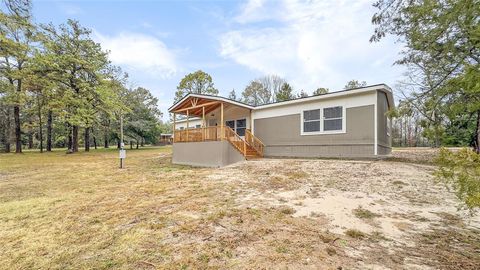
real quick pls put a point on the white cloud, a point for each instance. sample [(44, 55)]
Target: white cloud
[(140, 52), (250, 12), (311, 43)]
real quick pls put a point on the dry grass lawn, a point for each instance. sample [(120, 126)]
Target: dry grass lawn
[(80, 211)]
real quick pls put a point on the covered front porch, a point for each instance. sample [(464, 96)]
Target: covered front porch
[(209, 119)]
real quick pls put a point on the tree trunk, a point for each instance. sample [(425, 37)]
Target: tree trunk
[(7, 131), (477, 135), (95, 142), (131, 145), (137, 144), (40, 133), (142, 142), (75, 139), (401, 132), (105, 140), (87, 139), (118, 143), (18, 131), (40, 123), (30, 135), (69, 138), (49, 131)]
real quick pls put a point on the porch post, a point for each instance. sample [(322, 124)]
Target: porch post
[(174, 119), (204, 127), (187, 125), (221, 122), (251, 123)]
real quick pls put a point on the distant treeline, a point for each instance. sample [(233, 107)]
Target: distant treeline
[(59, 89)]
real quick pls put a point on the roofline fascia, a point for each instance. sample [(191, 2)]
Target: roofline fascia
[(218, 98), (328, 95)]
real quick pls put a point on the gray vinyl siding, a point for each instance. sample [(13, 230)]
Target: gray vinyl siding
[(384, 140), (281, 136)]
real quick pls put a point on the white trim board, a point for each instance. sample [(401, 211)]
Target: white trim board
[(347, 101), (375, 129), (380, 87)]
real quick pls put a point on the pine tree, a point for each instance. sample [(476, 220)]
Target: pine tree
[(285, 93)]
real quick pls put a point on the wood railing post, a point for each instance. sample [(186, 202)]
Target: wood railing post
[(187, 126), (203, 123), (221, 122), (244, 149), (174, 122)]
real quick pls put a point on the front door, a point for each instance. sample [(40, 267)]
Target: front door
[(238, 126)]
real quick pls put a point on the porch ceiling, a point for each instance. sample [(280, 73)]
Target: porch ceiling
[(195, 105)]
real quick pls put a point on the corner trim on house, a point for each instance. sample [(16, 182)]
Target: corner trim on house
[(375, 128)]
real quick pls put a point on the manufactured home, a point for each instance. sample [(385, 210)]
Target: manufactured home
[(215, 131)]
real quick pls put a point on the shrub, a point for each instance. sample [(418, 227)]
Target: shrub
[(461, 171), (355, 233), (364, 213)]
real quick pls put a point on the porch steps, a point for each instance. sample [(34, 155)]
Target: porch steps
[(251, 153)]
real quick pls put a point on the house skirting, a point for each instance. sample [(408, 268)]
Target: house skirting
[(384, 150), (205, 154), (313, 151)]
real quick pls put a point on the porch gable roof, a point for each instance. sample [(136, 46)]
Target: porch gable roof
[(195, 103)]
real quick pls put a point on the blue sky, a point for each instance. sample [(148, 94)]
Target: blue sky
[(310, 43)]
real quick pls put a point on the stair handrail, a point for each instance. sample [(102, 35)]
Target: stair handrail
[(235, 140), (254, 142)]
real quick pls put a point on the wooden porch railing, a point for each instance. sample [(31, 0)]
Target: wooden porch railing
[(235, 140), (254, 142), (197, 134), (215, 134)]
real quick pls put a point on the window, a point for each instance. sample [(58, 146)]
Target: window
[(230, 124), (333, 118), (241, 126), (311, 121), (181, 128), (197, 126)]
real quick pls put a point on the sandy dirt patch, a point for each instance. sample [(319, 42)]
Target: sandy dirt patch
[(382, 210)]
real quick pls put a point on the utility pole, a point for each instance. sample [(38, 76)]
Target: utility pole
[(123, 152)]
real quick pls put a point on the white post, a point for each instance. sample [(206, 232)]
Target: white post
[(122, 145)]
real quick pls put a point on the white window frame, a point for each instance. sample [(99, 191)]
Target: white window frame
[(334, 118), (319, 120), (325, 132)]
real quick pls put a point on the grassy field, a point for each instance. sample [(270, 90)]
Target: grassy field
[(61, 211)]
